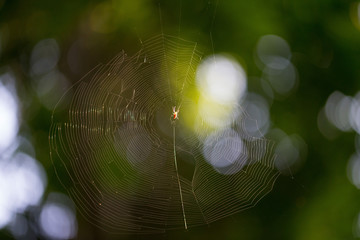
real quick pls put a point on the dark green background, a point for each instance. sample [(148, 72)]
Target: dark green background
[(319, 202)]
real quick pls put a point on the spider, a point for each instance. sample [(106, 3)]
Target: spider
[(175, 113)]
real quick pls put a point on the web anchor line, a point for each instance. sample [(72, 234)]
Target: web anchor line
[(177, 175)]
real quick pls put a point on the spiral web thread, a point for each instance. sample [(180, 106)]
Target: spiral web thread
[(130, 168)]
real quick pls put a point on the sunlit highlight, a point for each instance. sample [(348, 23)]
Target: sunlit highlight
[(44, 56), (222, 83), (273, 51), (258, 121), (47, 80), (337, 110), (216, 115), (23, 183), (291, 152), (57, 219), (273, 57), (282, 80), (9, 119), (19, 226), (354, 113), (326, 128), (353, 170), (225, 151), (221, 79)]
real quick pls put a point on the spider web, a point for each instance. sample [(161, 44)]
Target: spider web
[(130, 168)]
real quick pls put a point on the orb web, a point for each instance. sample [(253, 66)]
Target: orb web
[(130, 168)]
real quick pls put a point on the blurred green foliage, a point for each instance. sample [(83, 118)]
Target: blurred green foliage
[(320, 202)]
